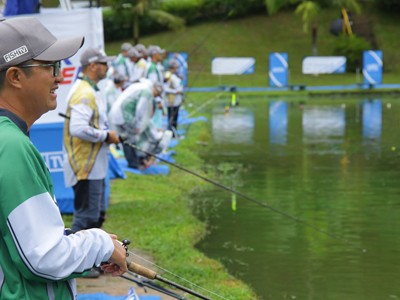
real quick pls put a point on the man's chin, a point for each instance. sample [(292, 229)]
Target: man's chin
[(53, 106)]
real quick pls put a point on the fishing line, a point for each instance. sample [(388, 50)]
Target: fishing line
[(209, 101), (260, 203), (176, 275)]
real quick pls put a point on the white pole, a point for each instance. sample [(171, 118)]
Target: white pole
[(66, 4)]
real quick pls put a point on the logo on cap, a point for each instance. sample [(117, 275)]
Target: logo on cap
[(15, 53)]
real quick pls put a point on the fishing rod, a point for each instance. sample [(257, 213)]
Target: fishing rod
[(150, 274), (143, 282), (263, 204)]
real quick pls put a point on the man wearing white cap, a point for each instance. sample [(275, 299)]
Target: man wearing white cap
[(173, 88), (134, 72), (155, 73), (38, 260), (86, 140)]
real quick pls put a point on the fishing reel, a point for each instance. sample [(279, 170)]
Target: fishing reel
[(125, 244)]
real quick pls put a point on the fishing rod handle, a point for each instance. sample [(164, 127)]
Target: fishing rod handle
[(140, 270)]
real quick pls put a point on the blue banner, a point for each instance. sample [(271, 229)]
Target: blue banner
[(278, 69), (182, 58), (372, 66)]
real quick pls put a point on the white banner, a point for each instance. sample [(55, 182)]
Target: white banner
[(324, 64), (63, 24), (232, 65)]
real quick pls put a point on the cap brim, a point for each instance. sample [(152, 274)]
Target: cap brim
[(106, 59), (61, 49)]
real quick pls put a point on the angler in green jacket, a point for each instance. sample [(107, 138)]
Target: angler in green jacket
[(38, 260)]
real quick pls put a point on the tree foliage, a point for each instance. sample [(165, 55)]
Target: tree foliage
[(352, 47), (309, 11)]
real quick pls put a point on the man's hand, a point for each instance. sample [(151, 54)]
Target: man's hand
[(113, 137), (117, 262)]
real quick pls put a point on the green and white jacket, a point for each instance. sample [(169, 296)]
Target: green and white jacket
[(37, 260)]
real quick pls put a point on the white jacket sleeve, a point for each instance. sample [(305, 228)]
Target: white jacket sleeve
[(80, 124), (44, 248)]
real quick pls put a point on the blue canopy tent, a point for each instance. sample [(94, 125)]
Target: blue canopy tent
[(21, 7)]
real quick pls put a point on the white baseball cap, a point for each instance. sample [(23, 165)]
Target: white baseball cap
[(23, 39)]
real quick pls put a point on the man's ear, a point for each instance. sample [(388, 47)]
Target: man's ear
[(14, 76)]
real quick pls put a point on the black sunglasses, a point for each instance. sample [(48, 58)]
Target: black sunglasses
[(56, 67)]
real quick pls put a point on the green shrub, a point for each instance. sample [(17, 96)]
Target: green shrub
[(352, 48)]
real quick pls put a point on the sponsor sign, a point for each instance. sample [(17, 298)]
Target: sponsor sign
[(232, 65), (324, 65), (278, 69), (372, 66)]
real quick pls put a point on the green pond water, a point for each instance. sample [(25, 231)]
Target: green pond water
[(330, 170)]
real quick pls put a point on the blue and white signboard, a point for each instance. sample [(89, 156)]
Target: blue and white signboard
[(232, 65), (278, 69), (372, 66), (324, 65), (182, 59)]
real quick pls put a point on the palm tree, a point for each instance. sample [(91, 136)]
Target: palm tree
[(139, 8), (309, 10)]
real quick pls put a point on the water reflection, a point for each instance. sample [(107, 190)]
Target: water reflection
[(345, 193), (235, 126), (324, 128), (372, 122), (278, 122)]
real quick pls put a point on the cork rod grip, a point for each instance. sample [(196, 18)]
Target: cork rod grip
[(140, 270)]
